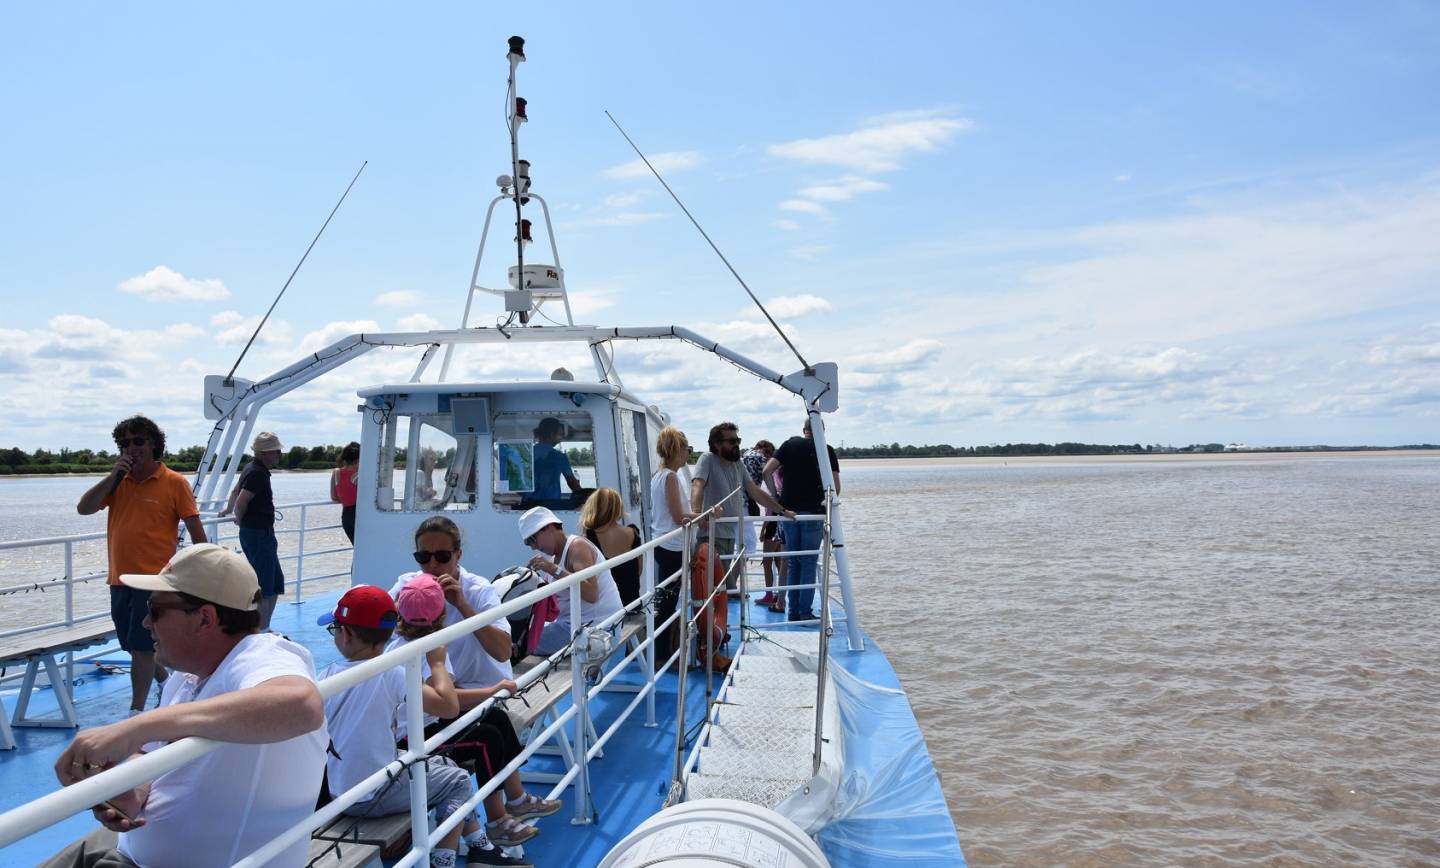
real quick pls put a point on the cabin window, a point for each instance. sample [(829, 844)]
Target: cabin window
[(632, 429), (424, 467), (543, 459)]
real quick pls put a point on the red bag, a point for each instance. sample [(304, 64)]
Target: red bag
[(718, 618)]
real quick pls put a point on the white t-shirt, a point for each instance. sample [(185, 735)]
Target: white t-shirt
[(219, 808), (472, 664), (402, 719), (363, 725), (661, 523), (590, 613)]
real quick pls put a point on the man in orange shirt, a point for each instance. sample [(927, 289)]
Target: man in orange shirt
[(147, 502)]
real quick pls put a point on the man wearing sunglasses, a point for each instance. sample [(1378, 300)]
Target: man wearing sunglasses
[(255, 691), (717, 474), (147, 501)]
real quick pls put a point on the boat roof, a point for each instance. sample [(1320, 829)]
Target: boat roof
[(608, 389)]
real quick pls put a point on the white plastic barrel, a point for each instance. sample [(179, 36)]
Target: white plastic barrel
[(712, 833)]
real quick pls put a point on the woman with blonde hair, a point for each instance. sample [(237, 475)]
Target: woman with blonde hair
[(601, 519), (668, 497)]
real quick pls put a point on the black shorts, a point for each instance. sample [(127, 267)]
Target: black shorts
[(128, 608)]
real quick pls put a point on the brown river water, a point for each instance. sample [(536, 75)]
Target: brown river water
[(1148, 662)]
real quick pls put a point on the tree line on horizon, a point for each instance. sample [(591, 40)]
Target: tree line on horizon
[(14, 460)]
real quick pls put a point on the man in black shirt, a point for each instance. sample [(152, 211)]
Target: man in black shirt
[(253, 503), (804, 494)]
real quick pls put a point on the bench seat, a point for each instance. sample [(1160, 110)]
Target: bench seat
[(39, 649)]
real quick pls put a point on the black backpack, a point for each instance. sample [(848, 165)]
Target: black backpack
[(509, 584)]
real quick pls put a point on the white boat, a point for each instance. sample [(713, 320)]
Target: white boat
[(804, 753)]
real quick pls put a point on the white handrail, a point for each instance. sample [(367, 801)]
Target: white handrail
[(61, 804)]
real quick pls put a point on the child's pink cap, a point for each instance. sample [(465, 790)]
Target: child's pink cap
[(421, 601)]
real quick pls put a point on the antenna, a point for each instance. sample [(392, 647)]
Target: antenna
[(515, 117), (653, 171), (230, 377)]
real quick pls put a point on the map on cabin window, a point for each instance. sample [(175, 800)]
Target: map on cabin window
[(514, 465)]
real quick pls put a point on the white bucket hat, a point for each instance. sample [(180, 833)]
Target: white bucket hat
[(208, 571), (266, 442), (536, 520)]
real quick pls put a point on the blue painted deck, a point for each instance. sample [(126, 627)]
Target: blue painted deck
[(628, 782)]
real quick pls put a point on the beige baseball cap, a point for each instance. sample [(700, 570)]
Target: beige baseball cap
[(265, 441), (212, 573)]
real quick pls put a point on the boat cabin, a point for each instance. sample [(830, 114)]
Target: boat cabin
[(482, 454)]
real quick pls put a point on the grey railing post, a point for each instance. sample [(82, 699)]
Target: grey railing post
[(682, 606), (824, 636), (415, 724), (300, 557), (647, 585), (579, 691)]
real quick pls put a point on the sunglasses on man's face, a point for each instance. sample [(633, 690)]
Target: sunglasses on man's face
[(155, 610), (442, 556), (733, 441), (122, 442)]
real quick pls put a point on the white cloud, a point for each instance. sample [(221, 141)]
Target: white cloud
[(334, 331), (235, 329), (164, 284), (666, 164), (908, 356), (795, 306), (786, 225), (419, 322), (878, 147), (803, 206), (842, 189), (399, 298)]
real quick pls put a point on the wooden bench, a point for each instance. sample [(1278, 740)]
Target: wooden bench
[(40, 649), (331, 854), (389, 834)]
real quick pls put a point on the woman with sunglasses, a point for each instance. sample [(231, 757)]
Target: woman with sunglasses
[(562, 554), (479, 661)]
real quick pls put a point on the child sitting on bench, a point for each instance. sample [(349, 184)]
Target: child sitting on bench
[(367, 720)]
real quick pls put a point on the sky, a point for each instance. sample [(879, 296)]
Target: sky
[(1118, 222)]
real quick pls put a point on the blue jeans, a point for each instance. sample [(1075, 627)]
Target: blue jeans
[(799, 537)]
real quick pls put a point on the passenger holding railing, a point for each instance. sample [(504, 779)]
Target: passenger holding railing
[(562, 554), (231, 683), (366, 722), (718, 473), (668, 488), (804, 493), (490, 743)]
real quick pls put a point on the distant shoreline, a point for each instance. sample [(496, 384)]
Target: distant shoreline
[(1161, 457), (990, 460)]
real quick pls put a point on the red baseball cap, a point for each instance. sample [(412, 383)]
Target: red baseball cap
[(364, 606)]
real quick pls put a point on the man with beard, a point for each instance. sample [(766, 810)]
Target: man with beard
[(718, 473), (147, 503)]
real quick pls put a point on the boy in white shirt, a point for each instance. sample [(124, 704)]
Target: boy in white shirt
[(365, 720)]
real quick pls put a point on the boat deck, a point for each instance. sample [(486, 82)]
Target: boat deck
[(628, 782)]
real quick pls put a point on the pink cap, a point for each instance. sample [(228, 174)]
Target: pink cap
[(422, 601)]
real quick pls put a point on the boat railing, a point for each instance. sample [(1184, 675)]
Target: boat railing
[(313, 518), (699, 611), (57, 806)]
